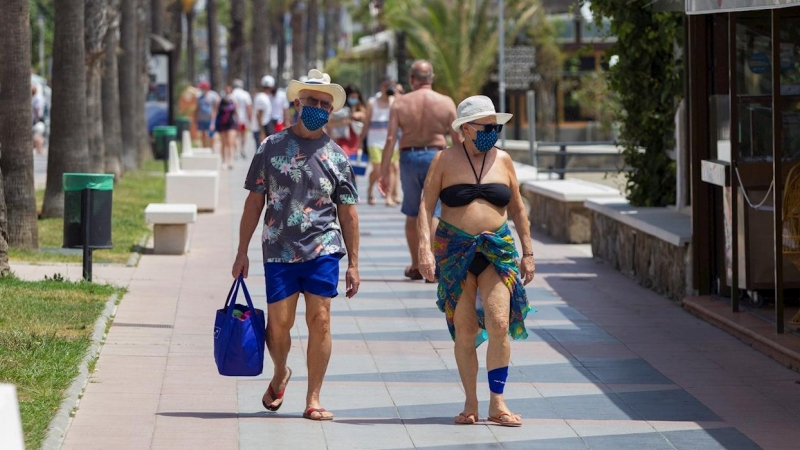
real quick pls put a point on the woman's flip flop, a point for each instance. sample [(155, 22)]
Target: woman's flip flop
[(511, 422), (466, 419)]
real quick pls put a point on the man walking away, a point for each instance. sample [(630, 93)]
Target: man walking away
[(206, 111), (424, 117), (306, 182), (262, 111), (244, 112)]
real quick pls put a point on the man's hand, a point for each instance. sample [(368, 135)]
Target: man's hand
[(527, 269), (241, 265), (352, 281), (427, 264), (383, 184)]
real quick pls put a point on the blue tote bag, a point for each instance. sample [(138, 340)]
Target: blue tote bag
[(239, 336)]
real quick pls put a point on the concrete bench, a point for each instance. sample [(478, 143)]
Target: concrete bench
[(10, 423), (198, 158), (170, 226), (200, 187), (557, 207), (651, 245)]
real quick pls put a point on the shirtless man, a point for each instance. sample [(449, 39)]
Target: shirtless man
[(424, 117)]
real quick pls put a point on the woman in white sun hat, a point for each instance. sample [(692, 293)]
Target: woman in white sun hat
[(481, 283)]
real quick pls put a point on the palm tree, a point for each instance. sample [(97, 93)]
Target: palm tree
[(298, 24), (128, 82), (213, 45), (190, 58), (4, 267), (259, 41), (96, 20), (144, 151), (236, 44), (109, 92), (330, 35), (69, 150), (459, 38), (313, 32), (17, 222), (277, 11)]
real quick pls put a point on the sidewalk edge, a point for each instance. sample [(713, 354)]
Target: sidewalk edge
[(768, 347), (57, 429)]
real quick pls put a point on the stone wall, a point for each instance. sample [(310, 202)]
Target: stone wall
[(654, 263), (564, 221)]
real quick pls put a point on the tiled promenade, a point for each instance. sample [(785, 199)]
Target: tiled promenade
[(608, 365)]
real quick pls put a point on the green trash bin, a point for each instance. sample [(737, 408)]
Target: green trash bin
[(94, 190), (163, 135), (183, 124)]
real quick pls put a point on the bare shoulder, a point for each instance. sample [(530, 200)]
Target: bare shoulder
[(504, 158)]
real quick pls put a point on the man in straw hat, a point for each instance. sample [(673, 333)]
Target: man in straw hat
[(306, 182), (424, 117)]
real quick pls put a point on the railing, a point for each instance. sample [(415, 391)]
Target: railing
[(561, 155)]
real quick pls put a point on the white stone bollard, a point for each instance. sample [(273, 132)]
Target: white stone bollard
[(186, 142), (174, 159), (11, 437)]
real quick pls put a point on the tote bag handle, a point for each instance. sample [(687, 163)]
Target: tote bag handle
[(230, 301)]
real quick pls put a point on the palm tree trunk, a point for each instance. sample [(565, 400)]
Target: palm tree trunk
[(128, 82), (313, 32), (190, 58), (96, 28), (213, 46), (175, 36), (259, 41), (299, 64), (5, 269), (144, 151), (68, 146), (109, 93), (18, 226), (157, 17), (279, 36), (236, 45)]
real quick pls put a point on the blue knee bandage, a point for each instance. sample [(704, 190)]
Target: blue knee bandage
[(497, 379)]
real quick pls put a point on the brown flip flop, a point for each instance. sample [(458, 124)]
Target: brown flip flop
[(412, 273), (466, 419), (511, 422), (309, 414)]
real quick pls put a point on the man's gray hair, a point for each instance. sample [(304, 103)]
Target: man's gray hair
[(422, 71)]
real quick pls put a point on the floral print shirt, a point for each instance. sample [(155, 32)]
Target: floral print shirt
[(303, 180)]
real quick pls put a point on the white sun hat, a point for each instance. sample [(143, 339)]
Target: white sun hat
[(320, 82), (477, 107)]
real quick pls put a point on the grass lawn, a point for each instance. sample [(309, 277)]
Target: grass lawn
[(131, 195), (45, 331)]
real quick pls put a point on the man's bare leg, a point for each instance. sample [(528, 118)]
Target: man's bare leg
[(466, 323), (412, 237), (280, 320), (318, 319)]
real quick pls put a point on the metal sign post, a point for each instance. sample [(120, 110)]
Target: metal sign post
[(530, 96), (501, 27), (86, 228)]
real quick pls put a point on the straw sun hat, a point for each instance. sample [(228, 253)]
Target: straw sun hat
[(320, 82), (477, 107)]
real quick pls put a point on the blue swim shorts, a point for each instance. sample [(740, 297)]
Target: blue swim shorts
[(319, 276), (413, 170), (203, 125)]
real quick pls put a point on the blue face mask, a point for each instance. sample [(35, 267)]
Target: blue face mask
[(352, 101), (314, 118), (485, 140)]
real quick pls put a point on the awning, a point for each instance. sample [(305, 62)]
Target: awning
[(718, 6)]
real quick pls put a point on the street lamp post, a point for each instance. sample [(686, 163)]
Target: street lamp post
[(502, 63)]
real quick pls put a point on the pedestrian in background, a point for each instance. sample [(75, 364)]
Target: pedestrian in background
[(244, 112), (206, 112), (347, 125), (262, 111), (424, 117), (280, 106), (227, 125), (377, 128)]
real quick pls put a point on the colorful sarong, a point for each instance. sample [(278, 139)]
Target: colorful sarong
[(454, 250)]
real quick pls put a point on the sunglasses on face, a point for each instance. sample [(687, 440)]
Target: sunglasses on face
[(316, 103), (488, 127)]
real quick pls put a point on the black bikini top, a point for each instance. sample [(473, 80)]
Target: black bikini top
[(457, 195)]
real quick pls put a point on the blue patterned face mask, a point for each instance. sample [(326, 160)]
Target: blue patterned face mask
[(313, 118), (485, 140)]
